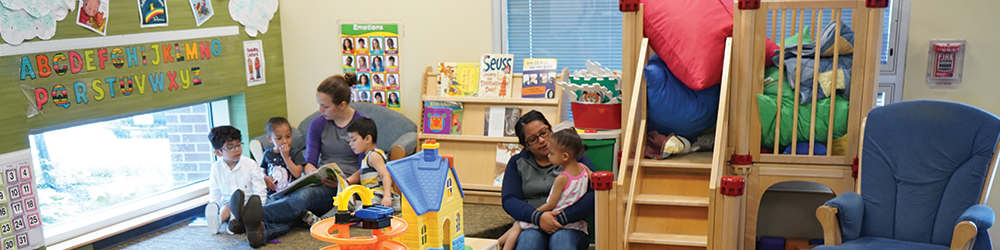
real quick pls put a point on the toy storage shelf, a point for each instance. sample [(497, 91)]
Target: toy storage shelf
[(475, 154)]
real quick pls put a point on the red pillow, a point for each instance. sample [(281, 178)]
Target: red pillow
[(690, 36)]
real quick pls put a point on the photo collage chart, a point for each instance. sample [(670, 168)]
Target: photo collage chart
[(371, 51), (20, 215)]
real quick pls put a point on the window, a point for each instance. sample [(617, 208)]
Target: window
[(571, 31), (448, 187), (109, 165), (423, 235), (458, 222)]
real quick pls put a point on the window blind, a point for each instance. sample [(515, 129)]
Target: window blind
[(571, 31)]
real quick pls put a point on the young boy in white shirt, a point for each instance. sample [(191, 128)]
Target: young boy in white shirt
[(234, 175)]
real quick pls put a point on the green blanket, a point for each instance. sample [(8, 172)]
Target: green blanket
[(767, 108)]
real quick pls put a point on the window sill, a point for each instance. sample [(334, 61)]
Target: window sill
[(114, 221)]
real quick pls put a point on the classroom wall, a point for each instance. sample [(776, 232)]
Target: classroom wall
[(222, 77), (431, 32), (974, 21)]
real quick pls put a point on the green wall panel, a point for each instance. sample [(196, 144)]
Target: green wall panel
[(222, 76)]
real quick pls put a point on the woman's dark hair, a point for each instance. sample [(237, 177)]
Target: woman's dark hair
[(529, 117), (338, 87), (570, 142)]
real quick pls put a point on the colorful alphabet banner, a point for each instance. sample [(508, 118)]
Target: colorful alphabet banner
[(372, 52), (87, 77)]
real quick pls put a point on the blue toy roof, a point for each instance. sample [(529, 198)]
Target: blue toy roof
[(422, 182)]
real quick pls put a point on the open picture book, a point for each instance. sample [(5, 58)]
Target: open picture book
[(330, 171)]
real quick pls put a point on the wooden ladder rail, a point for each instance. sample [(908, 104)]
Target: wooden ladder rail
[(722, 210), (638, 98)]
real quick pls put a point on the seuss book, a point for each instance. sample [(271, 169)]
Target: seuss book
[(458, 79), (539, 79), (495, 75), (456, 113), (328, 171)]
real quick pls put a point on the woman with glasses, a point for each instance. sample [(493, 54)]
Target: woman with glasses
[(526, 184)]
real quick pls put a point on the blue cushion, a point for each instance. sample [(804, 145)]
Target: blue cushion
[(675, 108), (876, 243), (923, 164)]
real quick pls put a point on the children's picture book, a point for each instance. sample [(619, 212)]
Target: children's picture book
[(152, 13), (500, 121), (202, 10), (504, 152), (457, 113), (539, 79), (254, 55), (437, 121), (328, 171), (458, 79), (93, 15), (495, 75)]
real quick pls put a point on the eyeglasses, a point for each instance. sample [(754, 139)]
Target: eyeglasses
[(543, 135), (234, 148)]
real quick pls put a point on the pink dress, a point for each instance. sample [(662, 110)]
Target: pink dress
[(574, 190)]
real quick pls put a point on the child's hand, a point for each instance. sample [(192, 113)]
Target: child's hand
[(270, 183), (387, 201), (283, 149), (554, 213)]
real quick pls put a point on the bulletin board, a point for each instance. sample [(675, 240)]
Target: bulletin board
[(196, 55)]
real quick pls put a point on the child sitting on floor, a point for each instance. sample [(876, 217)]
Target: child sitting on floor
[(233, 175), (372, 173), (277, 163), (571, 184)]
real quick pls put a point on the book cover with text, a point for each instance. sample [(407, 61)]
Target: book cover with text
[(495, 75), (539, 80)]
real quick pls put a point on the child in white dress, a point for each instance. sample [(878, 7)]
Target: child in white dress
[(571, 184)]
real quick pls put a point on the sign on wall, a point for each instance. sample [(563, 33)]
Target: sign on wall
[(372, 52)]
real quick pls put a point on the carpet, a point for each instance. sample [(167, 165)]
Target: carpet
[(482, 221)]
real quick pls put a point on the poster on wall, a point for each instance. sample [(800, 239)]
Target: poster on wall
[(93, 15), (152, 13), (20, 215), (202, 10), (253, 52), (372, 52)]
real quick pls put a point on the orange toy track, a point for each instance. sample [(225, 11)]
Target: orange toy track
[(379, 240)]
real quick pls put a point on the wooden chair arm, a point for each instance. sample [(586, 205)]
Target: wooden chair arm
[(827, 216), (965, 233)]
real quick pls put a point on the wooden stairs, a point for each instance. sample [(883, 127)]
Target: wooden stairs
[(665, 204)]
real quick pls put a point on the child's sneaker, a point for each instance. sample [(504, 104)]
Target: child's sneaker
[(310, 218), (236, 208), (253, 219), (212, 217)]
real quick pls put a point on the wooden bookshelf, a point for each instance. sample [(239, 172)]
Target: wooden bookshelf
[(475, 154)]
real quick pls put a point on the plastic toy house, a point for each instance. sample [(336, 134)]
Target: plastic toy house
[(432, 199)]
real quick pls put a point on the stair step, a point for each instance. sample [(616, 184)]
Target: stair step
[(669, 239), (696, 160), (671, 200)]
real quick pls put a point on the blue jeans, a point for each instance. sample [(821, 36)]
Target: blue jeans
[(283, 213), (563, 239)]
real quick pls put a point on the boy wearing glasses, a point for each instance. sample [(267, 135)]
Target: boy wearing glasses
[(234, 175)]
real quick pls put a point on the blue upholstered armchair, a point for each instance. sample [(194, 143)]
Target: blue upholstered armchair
[(925, 169)]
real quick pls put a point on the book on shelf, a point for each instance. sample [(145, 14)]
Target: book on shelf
[(449, 114), (495, 75), (458, 79), (539, 79), (504, 152), (500, 121)]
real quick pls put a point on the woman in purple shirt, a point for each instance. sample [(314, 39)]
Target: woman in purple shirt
[(327, 139)]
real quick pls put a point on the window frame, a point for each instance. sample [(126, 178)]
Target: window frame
[(891, 75), (135, 209)]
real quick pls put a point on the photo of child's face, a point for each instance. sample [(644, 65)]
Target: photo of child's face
[(362, 62), (392, 61), (390, 42), (377, 78), (361, 43), (391, 80), (378, 98), (363, 80), (393, 98), (347, 44), (348, 61)]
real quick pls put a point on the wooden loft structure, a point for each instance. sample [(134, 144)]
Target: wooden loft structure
[(678, 203)]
